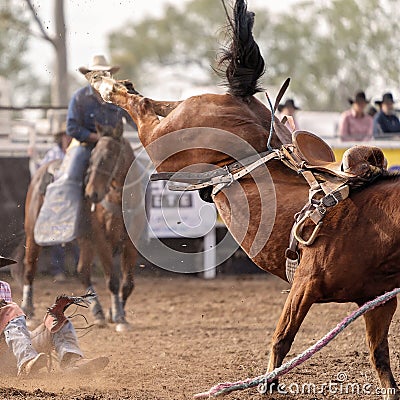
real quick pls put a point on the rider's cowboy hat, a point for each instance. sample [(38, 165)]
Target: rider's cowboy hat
[(6, 261), (359, 97), (386, 98), (288, 103), (99, 63)]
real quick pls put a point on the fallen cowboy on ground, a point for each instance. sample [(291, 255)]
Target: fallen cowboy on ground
[(28, 352)]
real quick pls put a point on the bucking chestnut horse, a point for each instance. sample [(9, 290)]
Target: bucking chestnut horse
[(356, 255), (103, 231)]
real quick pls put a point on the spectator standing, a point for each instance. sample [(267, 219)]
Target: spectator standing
[(386, 121), (355, 124), (62, 141), (288, 109)]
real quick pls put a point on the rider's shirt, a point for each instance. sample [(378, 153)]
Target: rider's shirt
[(5, 292), (85, 109)]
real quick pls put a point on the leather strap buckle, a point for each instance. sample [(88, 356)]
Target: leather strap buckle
[(291, 254), (330, 200)]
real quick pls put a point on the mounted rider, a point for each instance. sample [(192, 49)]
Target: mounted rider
[(86, 108), (59, 220)]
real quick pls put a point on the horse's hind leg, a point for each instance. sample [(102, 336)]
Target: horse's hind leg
[(84, 269), (32, 252), (377, 322)]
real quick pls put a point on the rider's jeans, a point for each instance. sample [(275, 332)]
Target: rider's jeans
[(25, 345), (75, 163)]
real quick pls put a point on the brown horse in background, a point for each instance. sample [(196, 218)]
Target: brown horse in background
[(356, 256), (103, 230)]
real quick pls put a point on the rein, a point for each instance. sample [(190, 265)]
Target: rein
[(219, 178), (106, 172), (110, 206)]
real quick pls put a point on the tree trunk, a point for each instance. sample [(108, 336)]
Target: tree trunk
[(60, 94)]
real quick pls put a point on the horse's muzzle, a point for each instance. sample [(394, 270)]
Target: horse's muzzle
[(94, 197)]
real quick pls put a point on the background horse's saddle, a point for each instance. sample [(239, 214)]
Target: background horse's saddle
[(357, 162), (49, 176), (59, 219)]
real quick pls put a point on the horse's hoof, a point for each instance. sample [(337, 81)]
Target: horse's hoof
[(123, 327), (100, 322)]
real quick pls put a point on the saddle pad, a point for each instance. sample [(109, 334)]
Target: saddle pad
[(58, 220)]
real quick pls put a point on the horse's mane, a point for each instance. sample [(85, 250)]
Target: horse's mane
[(389, 175), (241, 62)]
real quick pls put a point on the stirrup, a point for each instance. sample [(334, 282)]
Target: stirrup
[(298, 226)]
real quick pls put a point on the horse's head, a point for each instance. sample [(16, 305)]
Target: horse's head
[(104, 161)]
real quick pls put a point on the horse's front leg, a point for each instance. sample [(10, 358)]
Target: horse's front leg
[(128, 262), (377, 322), (301, 297), (112, 276), (84, 269), (32, 251)]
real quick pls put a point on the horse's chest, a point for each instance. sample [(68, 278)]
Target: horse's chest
[(112, 226)]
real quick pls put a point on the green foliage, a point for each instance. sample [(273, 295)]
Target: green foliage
[(184, 37), (13, 38), (329, 48)]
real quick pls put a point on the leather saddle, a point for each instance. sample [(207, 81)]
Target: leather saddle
[(60, 217), (49, 175), (358, 162)]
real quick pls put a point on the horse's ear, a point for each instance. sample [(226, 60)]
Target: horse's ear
[(119, 130)]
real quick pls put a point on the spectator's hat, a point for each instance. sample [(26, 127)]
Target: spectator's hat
[(386, 98), (6, 261), (359, 97), (288, 103), (99, 63), (61, 130)]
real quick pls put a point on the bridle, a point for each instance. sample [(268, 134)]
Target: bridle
[(96, 167)]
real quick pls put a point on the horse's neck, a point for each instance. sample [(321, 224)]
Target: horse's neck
[(259, 213), (124, 162)]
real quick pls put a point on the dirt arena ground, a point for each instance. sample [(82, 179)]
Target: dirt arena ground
[(189, 334)]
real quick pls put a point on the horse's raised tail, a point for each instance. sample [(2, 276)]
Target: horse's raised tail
[(242, 60)]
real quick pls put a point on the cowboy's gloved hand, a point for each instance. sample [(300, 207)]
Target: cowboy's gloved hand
[(55, 319)]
